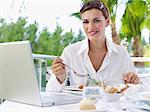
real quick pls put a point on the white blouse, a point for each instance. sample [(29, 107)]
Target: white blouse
[(116, 62)]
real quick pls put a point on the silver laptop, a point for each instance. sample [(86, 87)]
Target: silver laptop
[(18, 81)]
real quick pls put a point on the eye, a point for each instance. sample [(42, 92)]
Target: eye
[(85, 21), (96, 21)]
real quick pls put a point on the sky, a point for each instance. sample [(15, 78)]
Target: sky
[(49, 13)]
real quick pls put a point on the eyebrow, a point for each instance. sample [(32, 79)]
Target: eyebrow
[(94, 18)]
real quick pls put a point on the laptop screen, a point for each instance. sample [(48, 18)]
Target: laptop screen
[(18, 80), (17, 73)]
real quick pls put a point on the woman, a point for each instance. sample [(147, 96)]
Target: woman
[(95, 55)]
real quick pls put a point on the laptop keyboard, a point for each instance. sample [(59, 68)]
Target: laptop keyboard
[(59, 98), (53, 97)]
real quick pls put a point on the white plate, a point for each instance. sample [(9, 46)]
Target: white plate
[(139, 105), (144, 95), (140, 96), (140, 100), (72, 88)]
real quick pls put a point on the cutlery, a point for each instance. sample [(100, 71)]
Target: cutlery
[(86, 75)]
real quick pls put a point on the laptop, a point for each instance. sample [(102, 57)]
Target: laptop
[(18, 79)]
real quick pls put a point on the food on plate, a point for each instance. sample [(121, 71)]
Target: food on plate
[(119, 89), (87, 104), (112, 93), (110, 89), (81, 86)]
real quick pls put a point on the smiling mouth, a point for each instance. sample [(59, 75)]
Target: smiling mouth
[(92, 32)]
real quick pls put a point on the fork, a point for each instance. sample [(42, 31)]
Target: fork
[(85, 75), (80, 75)]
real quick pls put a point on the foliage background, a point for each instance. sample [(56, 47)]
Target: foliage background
[(136, 16), (53, 43)]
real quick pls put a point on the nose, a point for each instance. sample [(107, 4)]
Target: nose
[(91, 26)]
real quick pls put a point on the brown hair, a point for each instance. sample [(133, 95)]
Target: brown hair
[(95, 4)]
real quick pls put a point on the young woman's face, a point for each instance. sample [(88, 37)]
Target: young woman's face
[(94, 24)]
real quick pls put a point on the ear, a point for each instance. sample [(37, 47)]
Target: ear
[(107, 21)]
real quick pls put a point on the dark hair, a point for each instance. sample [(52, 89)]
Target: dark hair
[(95, 4)]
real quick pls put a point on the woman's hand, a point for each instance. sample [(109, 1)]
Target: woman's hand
[(131, 77), (58, 68)]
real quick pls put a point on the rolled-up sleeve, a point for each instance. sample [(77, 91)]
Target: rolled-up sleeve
[(53, 84)]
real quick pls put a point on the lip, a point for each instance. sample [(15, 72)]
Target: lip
[(92, 32)]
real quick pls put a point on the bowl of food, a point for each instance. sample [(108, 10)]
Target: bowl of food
[(111, 97), (112, 93)]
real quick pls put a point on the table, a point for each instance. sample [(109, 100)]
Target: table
[(9, 106)]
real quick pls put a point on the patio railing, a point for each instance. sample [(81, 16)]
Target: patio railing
[(43, 59), (140, 59)]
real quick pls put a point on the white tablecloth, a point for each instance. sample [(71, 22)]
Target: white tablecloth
[(120, 106)]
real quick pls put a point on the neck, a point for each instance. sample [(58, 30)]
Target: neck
[(97, 45)]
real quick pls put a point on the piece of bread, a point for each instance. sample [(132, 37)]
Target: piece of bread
[(123, 89), (87, 104), (81, 86), (110, 89), (119, 89)]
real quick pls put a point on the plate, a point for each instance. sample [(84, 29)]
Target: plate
[(140, 100), (72, 88), (144, 96), (139, 105), (140, 96)]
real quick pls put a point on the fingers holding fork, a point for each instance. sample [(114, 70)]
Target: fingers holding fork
[(58, 68)]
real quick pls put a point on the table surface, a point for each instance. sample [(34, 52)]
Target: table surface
[(102, 106), (9, 106)]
